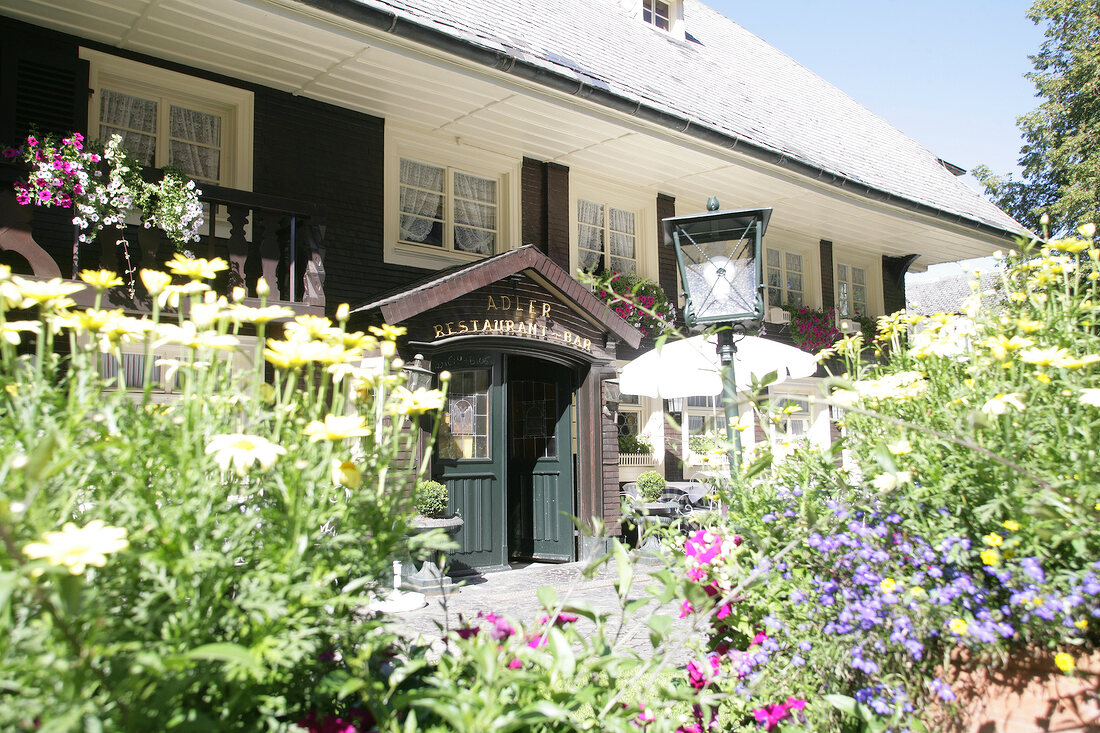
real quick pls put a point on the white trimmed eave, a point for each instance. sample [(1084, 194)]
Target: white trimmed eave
[(295, 48)]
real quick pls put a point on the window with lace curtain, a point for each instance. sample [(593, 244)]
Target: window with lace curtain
[(851, 290), (166, 118), (606, 238), (784, 273), (447, 209), (160, 131)]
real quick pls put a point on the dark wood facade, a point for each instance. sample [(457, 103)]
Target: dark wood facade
[(318, 170)]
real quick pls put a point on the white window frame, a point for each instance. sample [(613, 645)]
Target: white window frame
[(714, 413), (675, 17), (811, 278), (804, 390), (235, 106), (446, 153), (644, 207), (872, 268)]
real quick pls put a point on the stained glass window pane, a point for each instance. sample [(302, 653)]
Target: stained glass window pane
[(463, 431)]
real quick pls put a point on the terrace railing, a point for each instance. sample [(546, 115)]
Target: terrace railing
[(278, 238)]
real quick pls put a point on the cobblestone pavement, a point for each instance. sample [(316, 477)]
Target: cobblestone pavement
[(513, 593)]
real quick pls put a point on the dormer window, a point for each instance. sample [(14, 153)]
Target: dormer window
[(657, 13)]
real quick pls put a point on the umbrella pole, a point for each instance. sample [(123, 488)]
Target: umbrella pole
[(726, 349)]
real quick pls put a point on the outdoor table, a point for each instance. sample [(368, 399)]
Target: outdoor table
[(695, 490)]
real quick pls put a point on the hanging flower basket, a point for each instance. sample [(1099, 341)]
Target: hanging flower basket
[(640, 302)]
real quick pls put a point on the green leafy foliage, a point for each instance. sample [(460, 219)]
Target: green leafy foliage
[(651, 485), (431, 499), (192, 560), (635, 444), (1059, 156)]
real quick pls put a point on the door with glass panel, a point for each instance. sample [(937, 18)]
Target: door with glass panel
[(540, 461), (470, 457)]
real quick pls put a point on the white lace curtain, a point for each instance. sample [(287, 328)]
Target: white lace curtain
[(421, 200), (619, 232), (475, 207), (194, 137), (475, 214)]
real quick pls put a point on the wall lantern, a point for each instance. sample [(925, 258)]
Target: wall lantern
[(722, 275), (417, 376), (611, 397), (674, 405)]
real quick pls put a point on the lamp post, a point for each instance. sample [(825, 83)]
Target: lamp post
[(722, 274)]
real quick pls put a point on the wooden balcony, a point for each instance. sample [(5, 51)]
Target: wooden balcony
[(277, 238)]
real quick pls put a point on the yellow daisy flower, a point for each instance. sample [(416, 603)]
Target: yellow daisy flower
[(101, 279), (242, 450), (53, 292), (77, 547), (1065, 662), (346, 473), (337, 427), (199, 268), (415, 403), (155, 281), (388, 332), (900, 447)]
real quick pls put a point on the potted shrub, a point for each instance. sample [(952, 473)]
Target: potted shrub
[(431, 502), (651, 485)]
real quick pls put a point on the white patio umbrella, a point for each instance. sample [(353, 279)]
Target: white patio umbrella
[(691, 367)]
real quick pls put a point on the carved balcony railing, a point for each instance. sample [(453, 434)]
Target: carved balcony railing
[(278, 238)]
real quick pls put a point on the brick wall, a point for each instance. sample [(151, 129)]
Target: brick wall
[(828, 285), (333, 157), (533, 204), (557, 215), (666, 254), (893, 281)]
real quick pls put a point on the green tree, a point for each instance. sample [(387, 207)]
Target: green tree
[(1061, 153)]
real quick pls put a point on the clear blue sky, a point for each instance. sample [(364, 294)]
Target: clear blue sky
[(948, 74)]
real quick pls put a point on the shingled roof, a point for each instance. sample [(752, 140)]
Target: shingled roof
[(720, 82)]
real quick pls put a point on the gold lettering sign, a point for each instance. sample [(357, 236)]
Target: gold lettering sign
[(523, 321)]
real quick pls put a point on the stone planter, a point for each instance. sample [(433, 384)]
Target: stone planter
[(1028, 694), (429, 578)]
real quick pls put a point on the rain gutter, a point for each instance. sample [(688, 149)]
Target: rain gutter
[(401, 27)]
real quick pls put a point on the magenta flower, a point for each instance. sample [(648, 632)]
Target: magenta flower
[(686, 608), (771, 715)]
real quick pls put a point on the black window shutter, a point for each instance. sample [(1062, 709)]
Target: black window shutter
[(44, 91)]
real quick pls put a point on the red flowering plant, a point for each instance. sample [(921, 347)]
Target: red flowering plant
[(813, 330), (640, 302), (103, 186)]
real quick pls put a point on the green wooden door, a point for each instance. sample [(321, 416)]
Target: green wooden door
[(471, 457), (540, 460)]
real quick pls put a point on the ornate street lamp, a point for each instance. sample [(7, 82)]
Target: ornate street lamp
[(722, 275)]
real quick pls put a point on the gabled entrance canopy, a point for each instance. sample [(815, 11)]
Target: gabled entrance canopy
[(520, 300)]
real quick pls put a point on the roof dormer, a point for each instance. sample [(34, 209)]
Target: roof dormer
[(664, 15)]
